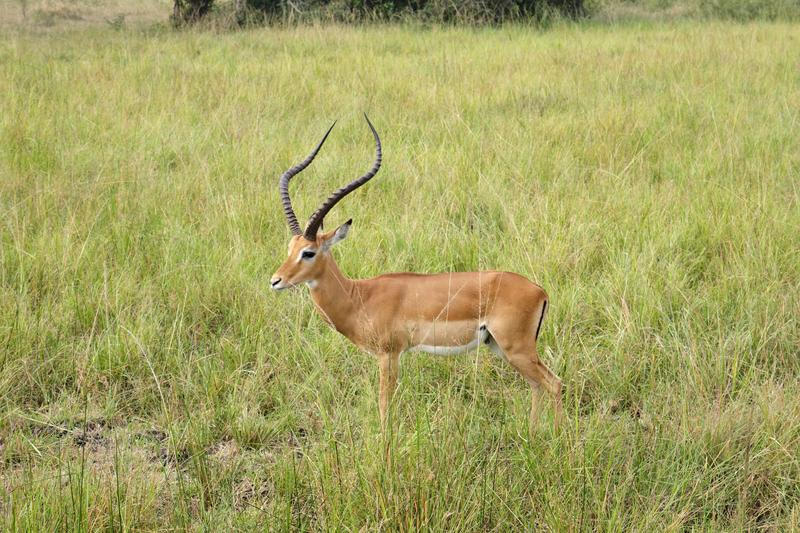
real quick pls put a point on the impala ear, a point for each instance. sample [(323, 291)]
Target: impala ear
[(336, 236)]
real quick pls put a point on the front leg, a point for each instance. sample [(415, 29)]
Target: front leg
[(388, 364)]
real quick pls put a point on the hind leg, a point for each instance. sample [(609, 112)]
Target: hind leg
[(538, 376), (553, 386), (522, 355)]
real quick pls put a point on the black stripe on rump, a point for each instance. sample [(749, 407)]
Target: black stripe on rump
[(544, 306)]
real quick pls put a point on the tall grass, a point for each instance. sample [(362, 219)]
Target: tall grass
[(645, 176), (739, 10)]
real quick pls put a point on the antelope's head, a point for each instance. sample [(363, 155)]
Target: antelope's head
[(309, 250)]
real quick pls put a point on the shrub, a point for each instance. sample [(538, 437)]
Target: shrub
[(189, 11), (445, 11)]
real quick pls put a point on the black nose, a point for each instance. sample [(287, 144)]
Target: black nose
[(275, 281)]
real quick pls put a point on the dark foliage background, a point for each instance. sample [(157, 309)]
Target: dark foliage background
[(444, 11), (189, 11)]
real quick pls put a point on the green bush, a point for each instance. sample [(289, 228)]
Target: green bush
[(480, 11), (445, 11), (189, 11)]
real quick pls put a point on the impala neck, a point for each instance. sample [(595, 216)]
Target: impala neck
[(332, 293)]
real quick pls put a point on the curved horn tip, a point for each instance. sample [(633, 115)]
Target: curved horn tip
[(368, 121), (374, 131), (325, 137)]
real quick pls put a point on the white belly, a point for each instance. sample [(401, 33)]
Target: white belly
[(481, 334)]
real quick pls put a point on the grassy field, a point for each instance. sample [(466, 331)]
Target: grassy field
[(646, 176)]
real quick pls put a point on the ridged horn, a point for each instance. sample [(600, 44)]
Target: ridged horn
[(283, 184), (316, 219)]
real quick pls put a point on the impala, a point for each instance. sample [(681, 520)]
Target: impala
[(394, 313)]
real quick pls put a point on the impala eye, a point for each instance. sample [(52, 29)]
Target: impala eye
[(308, 254)]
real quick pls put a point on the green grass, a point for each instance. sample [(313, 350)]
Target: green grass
[(646, 176)]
